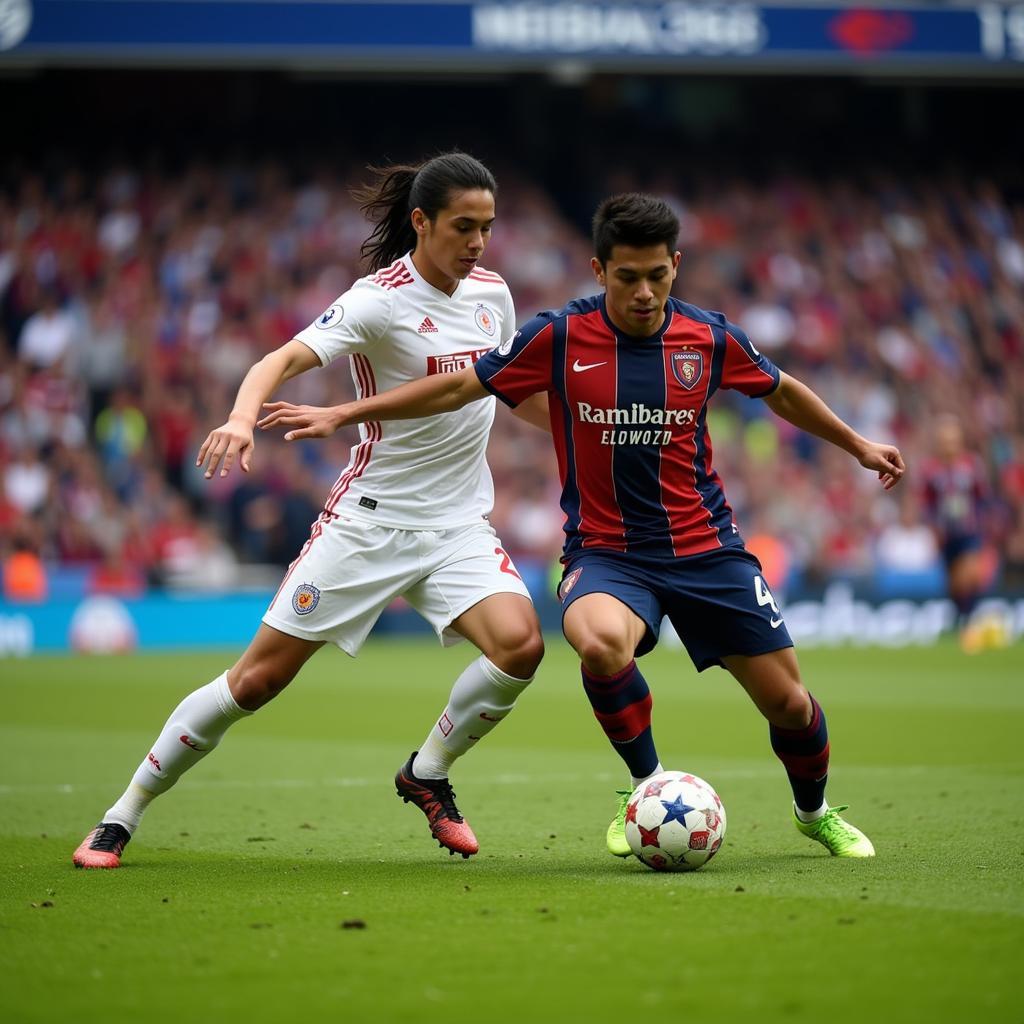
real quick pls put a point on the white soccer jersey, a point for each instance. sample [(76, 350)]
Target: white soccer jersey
[(419, 474)]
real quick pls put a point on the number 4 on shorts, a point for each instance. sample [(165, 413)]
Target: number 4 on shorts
[(764, 597)]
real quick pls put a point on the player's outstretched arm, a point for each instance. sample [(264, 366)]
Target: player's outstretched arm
[(234, 438), (534, 410), (799, 405), (428, 396)]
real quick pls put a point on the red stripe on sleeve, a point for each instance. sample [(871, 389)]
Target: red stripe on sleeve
[(528, 371), (742, 371)]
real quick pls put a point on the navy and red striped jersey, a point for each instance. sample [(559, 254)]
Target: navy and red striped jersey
[(629, 421), (956, 493)]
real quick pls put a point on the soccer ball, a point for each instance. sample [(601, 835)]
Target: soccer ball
[(675, 822)]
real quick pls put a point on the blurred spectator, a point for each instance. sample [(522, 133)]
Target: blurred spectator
[(907, 561), (121, 432), (48, 334), (907, 545), (174, 541), (102, 351), (24, 575), (173, 428), (26, 481), (208, 563), (117, 576)]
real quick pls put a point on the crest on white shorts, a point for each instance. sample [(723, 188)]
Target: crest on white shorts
[(305, 598)]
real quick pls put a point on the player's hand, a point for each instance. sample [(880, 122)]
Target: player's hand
[(884, 459), (223, 445), (301, 420)]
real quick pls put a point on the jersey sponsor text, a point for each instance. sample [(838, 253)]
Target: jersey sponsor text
[(453, 362), (658, 437), (637, 414)]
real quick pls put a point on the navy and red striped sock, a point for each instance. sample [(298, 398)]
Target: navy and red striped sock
[(804, 754), (622, 704)]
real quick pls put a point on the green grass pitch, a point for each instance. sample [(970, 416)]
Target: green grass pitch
[(233, 901)]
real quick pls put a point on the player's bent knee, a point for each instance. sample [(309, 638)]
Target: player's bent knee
[(520, 653), (791, 709), (603, 654)]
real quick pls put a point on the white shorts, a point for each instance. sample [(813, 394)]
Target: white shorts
[(349, 571)]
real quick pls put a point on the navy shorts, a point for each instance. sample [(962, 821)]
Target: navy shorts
[(718, 602), (959, 544)]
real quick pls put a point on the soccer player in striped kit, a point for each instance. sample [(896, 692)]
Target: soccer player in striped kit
[(407, 517), (628, 375), (957, 497)]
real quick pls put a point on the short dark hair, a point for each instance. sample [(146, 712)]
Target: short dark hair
[(633, 219)]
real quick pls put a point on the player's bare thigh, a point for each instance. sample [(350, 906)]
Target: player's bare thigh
[(270, 662), (505, 629), (772, 682), (966, 574), (603, 631)]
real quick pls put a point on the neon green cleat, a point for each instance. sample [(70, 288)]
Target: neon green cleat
[(839, 837), (616, 837)]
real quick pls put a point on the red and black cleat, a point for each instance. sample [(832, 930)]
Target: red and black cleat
[(102, 847), (434, 797)]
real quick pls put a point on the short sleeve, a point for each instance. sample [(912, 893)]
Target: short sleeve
[(508, 323), (521, 365), (745, 369), (355, 319)]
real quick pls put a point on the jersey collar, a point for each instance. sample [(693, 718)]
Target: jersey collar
[(426, 285), (632, 339)]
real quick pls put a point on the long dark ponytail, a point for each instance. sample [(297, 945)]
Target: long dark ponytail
[(397, 191)]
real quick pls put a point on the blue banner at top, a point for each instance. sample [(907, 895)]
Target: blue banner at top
[(506, 35)]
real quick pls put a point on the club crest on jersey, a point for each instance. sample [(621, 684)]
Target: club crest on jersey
[(485, 320), (568, 583), (331, 316), (688, 366), (305, 598)]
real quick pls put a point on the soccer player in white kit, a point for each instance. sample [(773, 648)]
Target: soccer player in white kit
[(406, 517)]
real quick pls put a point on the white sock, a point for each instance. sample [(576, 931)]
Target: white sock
[(195, 727), (808, 816), (636, 782), (481, 697)]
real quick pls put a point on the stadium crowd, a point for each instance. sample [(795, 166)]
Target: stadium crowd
[(133, 302)]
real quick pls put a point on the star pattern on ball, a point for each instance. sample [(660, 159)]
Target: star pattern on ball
[(655, 788), (631, 811), (676, 811), (649, 836)]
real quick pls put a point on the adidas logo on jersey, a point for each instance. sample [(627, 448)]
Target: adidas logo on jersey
[(427, 327)]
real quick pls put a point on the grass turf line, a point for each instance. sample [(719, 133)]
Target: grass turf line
[(235, 891)]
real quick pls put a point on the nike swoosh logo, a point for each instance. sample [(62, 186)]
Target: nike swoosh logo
[(579, 367), (775, 623)]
